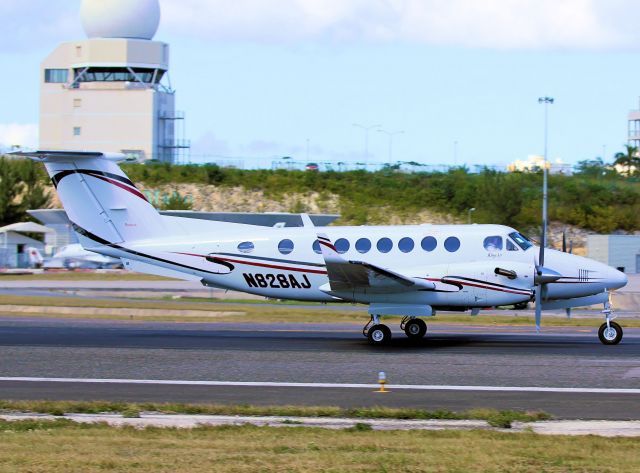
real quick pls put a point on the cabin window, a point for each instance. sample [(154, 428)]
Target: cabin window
[(429, 243), (511, 246), (521, 240), (406, 245), (452, 244), (285, 247), (316, 247), (246, 247), (363, 245), (493, 243), (384, 245), (342, 245)]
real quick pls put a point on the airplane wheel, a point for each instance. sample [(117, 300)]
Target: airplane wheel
[(415, 329), (379, 335), (611, 335)]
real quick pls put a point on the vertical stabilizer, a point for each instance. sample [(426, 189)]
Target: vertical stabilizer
[(100, 200)]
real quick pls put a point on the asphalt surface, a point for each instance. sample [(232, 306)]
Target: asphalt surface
[(318, 353)]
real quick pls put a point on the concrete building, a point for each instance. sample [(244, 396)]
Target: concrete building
[(14, 243), (111, 92), (536, 163), (619, 251)]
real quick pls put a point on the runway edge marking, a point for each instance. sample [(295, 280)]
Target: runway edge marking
[(419, 387)]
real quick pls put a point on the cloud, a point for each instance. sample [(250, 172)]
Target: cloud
[(498, 24), (38, 23), (15, 134)]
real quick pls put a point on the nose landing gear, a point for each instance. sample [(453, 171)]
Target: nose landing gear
[(610, 333)]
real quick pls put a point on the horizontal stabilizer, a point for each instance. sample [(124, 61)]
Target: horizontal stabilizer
[(52, 156)]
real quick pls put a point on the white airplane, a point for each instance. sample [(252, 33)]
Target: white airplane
[(411, 271), (75, 256)]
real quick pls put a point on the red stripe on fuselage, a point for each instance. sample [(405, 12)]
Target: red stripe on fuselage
[(263, 265), (482, 286)]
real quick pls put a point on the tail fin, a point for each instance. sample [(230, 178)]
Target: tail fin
[(35, 257), (100, 200)]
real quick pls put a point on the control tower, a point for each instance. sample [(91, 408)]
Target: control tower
[(111, 92)]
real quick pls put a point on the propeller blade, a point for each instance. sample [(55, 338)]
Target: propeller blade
[(564, 241), (568, 310), (538, 306), (571, 247)]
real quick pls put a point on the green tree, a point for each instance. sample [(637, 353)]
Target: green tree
[(176, 202), (628, 158), (33, 177), (11, 187)]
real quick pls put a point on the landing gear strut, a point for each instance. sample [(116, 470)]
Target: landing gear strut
[(610, 333), (377, 333), (413, 327)]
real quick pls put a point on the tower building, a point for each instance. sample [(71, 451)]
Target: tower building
[(111, 91)]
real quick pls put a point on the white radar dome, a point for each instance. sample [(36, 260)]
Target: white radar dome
[(135, 19)]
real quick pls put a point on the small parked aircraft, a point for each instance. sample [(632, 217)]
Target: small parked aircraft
[(411, 271), (75, 256)]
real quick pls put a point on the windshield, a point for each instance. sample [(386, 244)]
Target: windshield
[(521, 240)]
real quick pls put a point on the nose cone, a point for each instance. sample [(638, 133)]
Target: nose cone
[(616, 279)]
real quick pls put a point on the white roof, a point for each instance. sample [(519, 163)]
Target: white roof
[(26, 227)]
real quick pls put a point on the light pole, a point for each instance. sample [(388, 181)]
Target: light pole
[(391, 134), (366, 138), (472, 209), (546, 101)]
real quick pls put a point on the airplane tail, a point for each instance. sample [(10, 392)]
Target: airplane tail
[(35, 257), (104, 206)]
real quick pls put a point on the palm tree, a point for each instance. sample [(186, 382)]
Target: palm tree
[(628, 158)]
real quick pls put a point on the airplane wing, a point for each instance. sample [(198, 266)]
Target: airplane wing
[(347, 275)]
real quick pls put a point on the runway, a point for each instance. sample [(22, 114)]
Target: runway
[(336, 359)]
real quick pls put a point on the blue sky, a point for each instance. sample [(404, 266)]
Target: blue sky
[(257, 79)]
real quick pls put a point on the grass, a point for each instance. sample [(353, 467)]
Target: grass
[(83, 276), (277, 313), (40, 446), (58, 408)]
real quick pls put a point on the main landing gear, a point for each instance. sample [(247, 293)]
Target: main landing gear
[(610, 333), (379, 334)]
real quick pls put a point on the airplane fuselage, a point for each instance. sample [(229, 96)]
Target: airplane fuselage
[(470, 265)]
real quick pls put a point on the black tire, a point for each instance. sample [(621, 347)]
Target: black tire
[(379, 335), (415, 329), (612, 336)]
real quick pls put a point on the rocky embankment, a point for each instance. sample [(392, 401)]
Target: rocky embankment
[(209, 198)]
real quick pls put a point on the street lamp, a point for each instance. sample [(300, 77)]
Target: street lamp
[(472, 209), (366, 138), (391, 134), (546, 101)]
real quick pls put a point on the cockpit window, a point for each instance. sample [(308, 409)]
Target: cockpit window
[(521, 240), (493, 243), (511, 246)]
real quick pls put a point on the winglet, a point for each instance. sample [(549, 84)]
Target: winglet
[(329, 252)]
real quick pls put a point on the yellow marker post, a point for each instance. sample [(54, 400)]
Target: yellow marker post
[(382, 380)]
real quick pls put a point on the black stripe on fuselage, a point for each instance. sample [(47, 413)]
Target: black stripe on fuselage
[(90, 172), (104, 242), (275, 260), (487, 283)]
